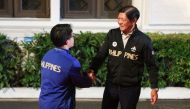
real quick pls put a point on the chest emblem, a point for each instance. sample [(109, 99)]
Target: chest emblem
[(114, 44), (133, 49), (153, 53)]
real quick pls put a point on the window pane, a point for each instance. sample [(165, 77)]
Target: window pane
[(109, 8), (78, 8), (6, 8), (114, 5), (31, 4), (78, 5), (91, 8), (2, 4), (31, 8)]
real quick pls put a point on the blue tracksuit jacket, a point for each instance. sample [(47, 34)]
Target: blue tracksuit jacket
[(60, 74)]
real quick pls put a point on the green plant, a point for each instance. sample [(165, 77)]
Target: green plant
[(171, 53), (173, 58), (35, 50), (2, 36), (10, 63), (86, 47)]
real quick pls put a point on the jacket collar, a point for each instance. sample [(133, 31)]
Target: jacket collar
[(62, 49)]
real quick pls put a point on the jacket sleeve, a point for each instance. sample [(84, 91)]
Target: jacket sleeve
[(79, 79), (149, 59), (101, 54)]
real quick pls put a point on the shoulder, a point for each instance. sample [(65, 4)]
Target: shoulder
[(114, 30), (49, 53), (142, 36), (73, 61)]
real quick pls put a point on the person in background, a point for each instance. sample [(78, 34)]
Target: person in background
[(60, 72), (128, 50)]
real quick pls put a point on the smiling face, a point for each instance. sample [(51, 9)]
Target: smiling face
[(125, 24)]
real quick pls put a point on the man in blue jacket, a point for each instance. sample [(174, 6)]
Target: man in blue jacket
[(60, 72)]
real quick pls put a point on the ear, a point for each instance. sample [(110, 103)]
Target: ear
[(134, 21), (66, 42)]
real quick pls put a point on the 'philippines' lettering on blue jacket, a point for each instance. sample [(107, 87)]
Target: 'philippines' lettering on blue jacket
[(60, 74)]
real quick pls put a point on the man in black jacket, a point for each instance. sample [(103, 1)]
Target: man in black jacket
[(128, 50)]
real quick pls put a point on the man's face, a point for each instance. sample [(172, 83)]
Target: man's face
[(124, 24)]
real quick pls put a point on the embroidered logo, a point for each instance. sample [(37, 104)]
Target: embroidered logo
[(133, 49), (153, 53), (114, 44)]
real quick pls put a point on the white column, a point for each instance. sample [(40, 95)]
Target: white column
[(139, 4), (55, 11)]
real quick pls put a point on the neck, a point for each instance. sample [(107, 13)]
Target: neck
[(129, 30), (65, 47)]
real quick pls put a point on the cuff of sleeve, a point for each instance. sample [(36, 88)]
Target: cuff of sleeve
[(153, 86), (156, 89)]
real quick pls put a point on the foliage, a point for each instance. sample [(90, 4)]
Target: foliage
[(171, 53), (86, 46), (35, 50), (173, 58), (10, 62)]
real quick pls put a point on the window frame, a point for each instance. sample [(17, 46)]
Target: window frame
[(43, 12), (7, 11), (103, 14), (66, 13), (96, 10)]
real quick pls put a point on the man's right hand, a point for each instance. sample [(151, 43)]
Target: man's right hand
[(154, 96), (91, 74)]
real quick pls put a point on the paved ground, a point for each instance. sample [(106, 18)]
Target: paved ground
[(94, 104)]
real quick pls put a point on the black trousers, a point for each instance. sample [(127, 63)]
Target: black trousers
[(127, 97)]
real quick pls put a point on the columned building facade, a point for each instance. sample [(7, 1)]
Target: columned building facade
[(21, 18)]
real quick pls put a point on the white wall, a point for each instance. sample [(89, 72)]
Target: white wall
[(165, 16), (156, 16)]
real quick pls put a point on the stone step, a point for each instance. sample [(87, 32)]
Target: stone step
[(95, 104)]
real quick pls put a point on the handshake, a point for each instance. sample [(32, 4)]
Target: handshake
[(91, 75)]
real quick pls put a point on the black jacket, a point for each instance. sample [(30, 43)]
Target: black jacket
[(126, 65)]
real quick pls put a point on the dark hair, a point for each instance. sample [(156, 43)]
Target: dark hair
[(131, 12), (60, 33)]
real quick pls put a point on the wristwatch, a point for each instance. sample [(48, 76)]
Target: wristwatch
[(156, 89)]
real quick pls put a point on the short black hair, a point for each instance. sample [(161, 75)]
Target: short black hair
[(131, 12), (60, 33)]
